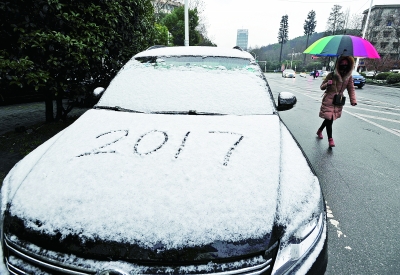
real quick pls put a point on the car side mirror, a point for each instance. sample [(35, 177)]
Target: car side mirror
[(98, 91), (286, 101)]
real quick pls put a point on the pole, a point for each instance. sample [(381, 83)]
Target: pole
[(291, 62), (365, 28), (186, 24)]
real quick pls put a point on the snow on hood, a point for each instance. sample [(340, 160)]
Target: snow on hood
[(300, 196), (144, 177)]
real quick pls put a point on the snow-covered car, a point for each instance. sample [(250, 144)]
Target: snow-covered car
[(324, 73), (358, 79), (289, 73), (183, 167), (370, 73)]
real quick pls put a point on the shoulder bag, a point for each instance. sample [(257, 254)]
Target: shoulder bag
[(339, 99)]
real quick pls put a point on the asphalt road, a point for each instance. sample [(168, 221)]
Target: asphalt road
[(360, 177)]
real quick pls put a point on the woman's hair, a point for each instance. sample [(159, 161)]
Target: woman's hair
[(350, 61)]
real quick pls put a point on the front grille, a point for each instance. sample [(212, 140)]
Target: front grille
[(22, 261), (22, 258)]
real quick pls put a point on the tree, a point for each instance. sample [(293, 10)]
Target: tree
[(336, 20), (175, 22), (309, 27), (199, 5), (55, 45), (161, 36), (205, 41), (354, 24), (162, 6), (380, 64), (283, 33)]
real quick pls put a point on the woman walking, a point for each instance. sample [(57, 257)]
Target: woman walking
[(335, 83)]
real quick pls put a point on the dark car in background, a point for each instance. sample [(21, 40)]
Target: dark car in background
[(358, 79), (184, 166)]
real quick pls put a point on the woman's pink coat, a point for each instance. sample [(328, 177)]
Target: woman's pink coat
[(339, 84)]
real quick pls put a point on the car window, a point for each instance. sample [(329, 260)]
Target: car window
[(355, 73), (180, 84)]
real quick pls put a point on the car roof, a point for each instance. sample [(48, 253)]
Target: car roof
[(196, 50)]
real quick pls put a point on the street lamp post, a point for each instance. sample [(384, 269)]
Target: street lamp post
[(291, 62), (186, 24)]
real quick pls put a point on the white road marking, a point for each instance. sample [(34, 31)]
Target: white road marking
[(377, 101), (379, 118), (373, 123), (378, 106), (375, 111)]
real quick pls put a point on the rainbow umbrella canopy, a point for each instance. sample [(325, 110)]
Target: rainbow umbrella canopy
[(348, 45)]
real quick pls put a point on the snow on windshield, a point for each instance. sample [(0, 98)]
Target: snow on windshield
[(203, 88)]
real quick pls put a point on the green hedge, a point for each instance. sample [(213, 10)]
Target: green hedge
[(382, 76), (393, 78)]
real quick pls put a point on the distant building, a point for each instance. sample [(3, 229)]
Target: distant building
[(242, 38), (165, 6), (383, 30)]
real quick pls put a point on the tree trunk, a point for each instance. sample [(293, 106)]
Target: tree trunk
[(48, 100), (280, 55), (304, 61), (59, 111)]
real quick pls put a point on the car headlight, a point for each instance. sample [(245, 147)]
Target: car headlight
[(299, 245)]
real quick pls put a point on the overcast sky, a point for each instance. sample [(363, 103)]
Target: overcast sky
[(262, 17)]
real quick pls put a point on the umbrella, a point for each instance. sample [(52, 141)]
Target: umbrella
[(336, 45)]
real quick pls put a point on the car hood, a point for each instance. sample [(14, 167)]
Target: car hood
[(157, 183)]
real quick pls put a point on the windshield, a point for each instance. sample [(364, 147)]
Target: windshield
[(196, 84)]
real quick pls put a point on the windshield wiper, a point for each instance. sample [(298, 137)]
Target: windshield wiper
[(116, 108), (190, 112)]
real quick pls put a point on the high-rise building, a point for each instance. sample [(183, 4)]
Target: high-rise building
[(242, 38), (383, 29)]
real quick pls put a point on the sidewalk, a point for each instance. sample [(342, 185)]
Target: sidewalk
[(27, 114)]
